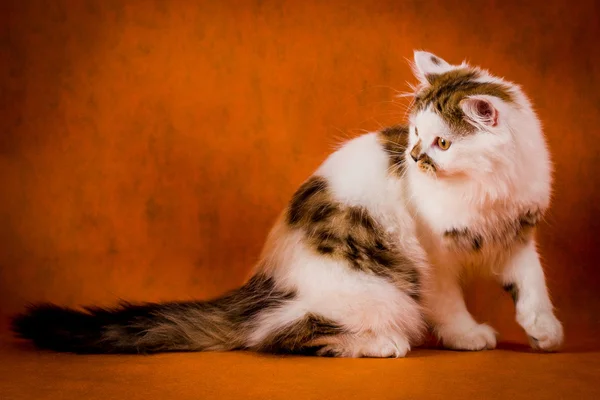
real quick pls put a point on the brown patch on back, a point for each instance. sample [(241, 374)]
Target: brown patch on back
[(395, 141), (445, 92), (309, 201), (349, 233)]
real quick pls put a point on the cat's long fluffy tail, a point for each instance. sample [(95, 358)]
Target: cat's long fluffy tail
[(220, 324)]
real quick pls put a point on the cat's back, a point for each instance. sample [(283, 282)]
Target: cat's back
[(357, 172)]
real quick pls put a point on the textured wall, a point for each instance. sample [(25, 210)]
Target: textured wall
[(147, 146)]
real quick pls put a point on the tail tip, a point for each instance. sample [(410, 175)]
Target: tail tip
[(25, 324), (49, 326)]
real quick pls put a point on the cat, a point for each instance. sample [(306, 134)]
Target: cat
[(369, 252)]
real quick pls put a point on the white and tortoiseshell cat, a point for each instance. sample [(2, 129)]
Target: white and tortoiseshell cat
[(370, 250)]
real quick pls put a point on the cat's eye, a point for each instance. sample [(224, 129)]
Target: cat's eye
[(443, 143)]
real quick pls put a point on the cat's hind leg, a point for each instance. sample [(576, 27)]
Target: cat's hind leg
[(372, 324), (366, 344)]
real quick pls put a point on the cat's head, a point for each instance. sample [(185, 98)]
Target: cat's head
[(467, 124)]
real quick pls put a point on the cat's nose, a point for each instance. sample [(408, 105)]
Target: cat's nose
[(415, 152)]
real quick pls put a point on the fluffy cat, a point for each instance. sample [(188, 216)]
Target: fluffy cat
[(369, 251)]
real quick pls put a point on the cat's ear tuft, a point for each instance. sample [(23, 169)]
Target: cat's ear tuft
[(480, 110), (428, 64)]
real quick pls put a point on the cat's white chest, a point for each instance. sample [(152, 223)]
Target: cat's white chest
[(441, 210), (449, 227)]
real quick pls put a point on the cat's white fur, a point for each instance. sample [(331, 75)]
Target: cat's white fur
[(481, 181)]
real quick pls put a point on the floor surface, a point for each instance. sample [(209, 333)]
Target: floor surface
[(511, 372)]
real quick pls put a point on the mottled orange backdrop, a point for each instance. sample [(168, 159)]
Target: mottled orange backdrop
[(147, 146)]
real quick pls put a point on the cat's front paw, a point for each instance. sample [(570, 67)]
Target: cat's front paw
[(476, 337), (544, 330)]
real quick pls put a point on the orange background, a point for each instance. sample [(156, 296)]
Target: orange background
[(147, 146)]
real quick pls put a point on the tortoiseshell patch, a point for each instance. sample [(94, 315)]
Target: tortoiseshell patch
[(519, 230), (349, 233), (395, 141), (447, 90)]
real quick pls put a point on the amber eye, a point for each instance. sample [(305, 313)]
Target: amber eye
[(443, 143)]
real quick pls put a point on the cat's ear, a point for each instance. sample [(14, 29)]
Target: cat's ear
[(480, 110), (428, 64)]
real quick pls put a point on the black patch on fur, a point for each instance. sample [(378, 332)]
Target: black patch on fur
[(63, 329), (152, 327), (526, 224), (298, 337), (323, 212), (505, 233), (414, 278), (513, 290), (299, 206), (395, 141), (435, 60), (464, 239), (259, 294), (524, 227), (477, 242), (330, 353), (530, 219)]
